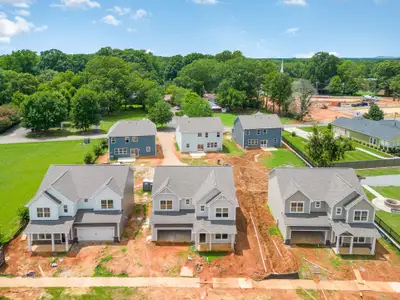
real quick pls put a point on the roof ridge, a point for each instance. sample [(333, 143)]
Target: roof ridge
[(59, 177)]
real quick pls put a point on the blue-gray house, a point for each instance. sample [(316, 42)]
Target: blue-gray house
[(257, 131), (132, 139)]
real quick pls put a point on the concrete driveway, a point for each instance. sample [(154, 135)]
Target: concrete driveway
[(167, 142)]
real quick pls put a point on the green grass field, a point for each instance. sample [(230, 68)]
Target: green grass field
[(379, 172), (109, 120), (230, 147), (388, 191), (282, 158), (372, 150), (310, 129), (22, 169)]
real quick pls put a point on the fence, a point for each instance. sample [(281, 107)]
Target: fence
[(299, 152), (387, 228)]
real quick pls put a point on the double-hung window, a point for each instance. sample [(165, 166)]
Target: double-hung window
[(221, 236), (265, 131), (360, 216), (43, 212), (206, 134), (317, 204), (199, 134), (222, 212), (338, 211), (166, 204), (218, 134), (296, 207), (148, 149), (113, 140), (107, 204), (202, 208), (359, 240), (258, 131), (247, 132), (65, 208)]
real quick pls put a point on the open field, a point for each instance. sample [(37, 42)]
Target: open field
[(133, 114), (281, 158), (310, 129), (22, 169), (378, 172)]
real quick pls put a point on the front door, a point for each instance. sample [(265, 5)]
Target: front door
[(264, 144), (200, 147), (135, 152), (202, 237)]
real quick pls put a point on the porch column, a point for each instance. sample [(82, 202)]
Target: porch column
[(233, 241), (373, 245), (326, 236), (209, 242), (66, 242), (351, 245), (29, 242), (72, 233), (337, 244), (53, 248)]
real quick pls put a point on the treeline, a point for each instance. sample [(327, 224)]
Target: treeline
[(56, 86)]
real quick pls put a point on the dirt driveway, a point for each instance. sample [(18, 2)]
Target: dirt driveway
[(167, 142)]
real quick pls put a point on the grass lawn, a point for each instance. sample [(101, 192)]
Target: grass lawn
[(388, 191), (281, 158), (230, 147), (372, 150), (22, 169), (309, 129), (109, 120), (379, 172), (229, 117)]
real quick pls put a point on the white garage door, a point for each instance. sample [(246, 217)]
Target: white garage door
[(95, 233), (177, 236)]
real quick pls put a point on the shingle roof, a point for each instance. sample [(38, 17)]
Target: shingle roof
[(215, 226), (312, 219), (89, 216), (260, 120), (132, 128), (189, 181), (62, 225), (320, 184), (195, 125), (82, 181), (386, 130), (360, 230), (173, 217)]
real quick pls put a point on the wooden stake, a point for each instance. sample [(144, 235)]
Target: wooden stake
[(277, 248)]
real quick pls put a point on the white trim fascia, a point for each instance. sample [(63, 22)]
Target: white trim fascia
[(296, 212)]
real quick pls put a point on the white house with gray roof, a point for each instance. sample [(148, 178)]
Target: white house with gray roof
[(194, 204), (80, 203), (322, 206), (199, 134)]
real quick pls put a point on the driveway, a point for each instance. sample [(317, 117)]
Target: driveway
[(167, 142), (299, 132), (384, 180)]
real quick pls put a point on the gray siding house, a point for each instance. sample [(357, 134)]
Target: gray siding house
[(199, 134), (132, 139), (194, 205), (257, 131), (322, 206), (80, 203)]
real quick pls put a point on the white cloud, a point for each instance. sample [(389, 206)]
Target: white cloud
[(149, 51), (111, 20), (310, 54), (77, 4), (10, 28), (140, 14), (131, 30), (292, 31), (205, 1), (23, 12), (16, 3), (3, 15), (41, 28), (121, 11), (295, 2)]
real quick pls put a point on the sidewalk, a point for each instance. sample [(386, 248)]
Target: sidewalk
[(371, 153)]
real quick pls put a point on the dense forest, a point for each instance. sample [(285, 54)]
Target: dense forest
[(53, 86)]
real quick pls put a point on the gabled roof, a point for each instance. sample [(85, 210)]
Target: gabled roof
[(195, 125), (195, 181), (260, 120), (320, 184), (132, 128), (215, 226), (385, 129), (81, 181)]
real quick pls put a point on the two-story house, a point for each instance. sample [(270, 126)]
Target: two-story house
[(80, 203), (322, 206), (129, 138), (257, 131), (194, 204), (199, 134)]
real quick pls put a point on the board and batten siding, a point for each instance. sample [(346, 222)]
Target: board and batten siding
[(141, 144)]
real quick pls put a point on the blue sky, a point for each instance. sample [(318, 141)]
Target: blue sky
[(259, 28)]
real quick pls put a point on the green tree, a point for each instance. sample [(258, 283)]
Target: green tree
[(321, 68), (281, 90), (194, 106), (178, 93), (384, 71), (18, 98), (324, 149), (229, 97), (395, 87), (374, 113), (303, 90), (85, 109), (44, 110), (267, 88), (54, 60), (152, 97), (335, 85), (160, 113), (23, 215), (21, 61), (350, 73), (89, 158)]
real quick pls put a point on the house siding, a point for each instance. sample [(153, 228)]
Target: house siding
[(141, 144), (165, 196), (273, 137), (363, 205), (298, 196), (193, 140), (275, 204), (237, 132)]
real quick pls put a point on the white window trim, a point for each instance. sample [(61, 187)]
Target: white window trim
[(135, 139), (166, 205), (218, 134), (247, 131), (42, 208), (222, 212), (187, 145), (361, 211), (45, 237), (275, 140), (221, 238), (338, 209), (187, 201), (107, 204), (113, 140), (202, 208), (358, 240), (258, 131), (297, 212), (317, 204), (148, 149), (199, 134), (206, 134), (265, 131), (65, 209), (127, 140)]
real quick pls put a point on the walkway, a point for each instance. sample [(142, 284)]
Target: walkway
[(167, 142), (372, 191), (179, 282), (384, 180), (299, 132), (371, 153)]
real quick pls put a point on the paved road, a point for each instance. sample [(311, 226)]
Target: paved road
[(384, 180)]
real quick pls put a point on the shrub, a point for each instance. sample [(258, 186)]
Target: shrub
[(329, 126), (88, 158), (104, 143), (294, 134), (97, 150), (9, 116), (1, 236), (179, 113), (23, 215)]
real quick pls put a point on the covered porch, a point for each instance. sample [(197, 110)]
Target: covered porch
[(50, 236), (214, 235)]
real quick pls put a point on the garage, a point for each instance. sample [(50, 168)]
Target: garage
[(175, 236), (95, 233), (307, 237)]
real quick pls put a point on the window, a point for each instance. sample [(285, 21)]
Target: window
[(43, 236), (120, 151), (212, 145), (318, 204), (202, 208), (199, 134), (166, 204), (148, 149), (187, 201), (258, 131), (218, 134), (134, 139), (187, 145), (86, 200), (43, 212), (65, 208), (252, 142), (107, 204), (360, 216), (338, 211), (206, 134), (275, 140), (359, 240), (296, 207), (127, 140), (265, 131), (221, 236), (247, 132), (113, 140), (372, 141), (222, 212)]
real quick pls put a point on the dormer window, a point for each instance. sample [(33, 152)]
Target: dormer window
[(317, 204), (338, 211)]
